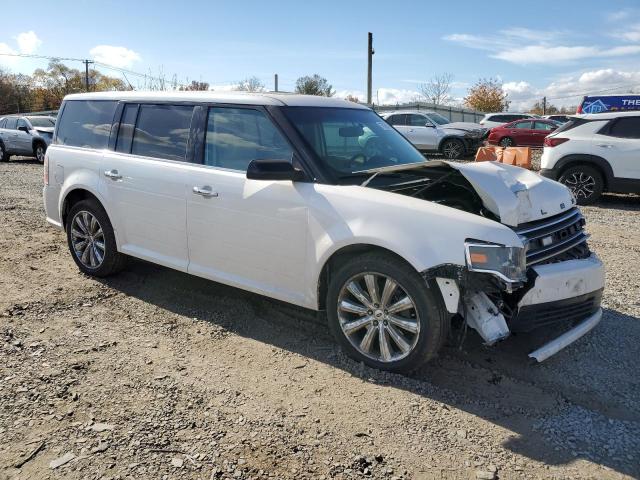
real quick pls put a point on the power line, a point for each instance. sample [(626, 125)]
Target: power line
[(592, 92)]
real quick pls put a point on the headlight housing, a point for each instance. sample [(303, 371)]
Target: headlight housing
[(507, 263)]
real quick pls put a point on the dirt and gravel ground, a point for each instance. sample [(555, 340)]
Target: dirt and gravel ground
[(155, 374)]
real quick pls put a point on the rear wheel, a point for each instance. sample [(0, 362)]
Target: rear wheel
[(585, 183), (507, 142), (91, 240), (383, 313)]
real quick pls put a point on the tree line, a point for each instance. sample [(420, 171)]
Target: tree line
[(46, 87)]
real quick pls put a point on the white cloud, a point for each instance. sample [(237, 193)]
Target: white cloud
[(523, 46), (116, 56), (28, 42), (569, 90), (5, 60)]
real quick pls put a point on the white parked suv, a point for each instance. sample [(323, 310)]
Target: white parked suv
[(282, 195), (595, 153), (491, 120)]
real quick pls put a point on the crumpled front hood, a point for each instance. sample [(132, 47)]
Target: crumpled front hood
[(44, 129), (514, 194), (466, 126)]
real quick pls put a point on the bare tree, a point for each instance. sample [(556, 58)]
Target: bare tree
[(438, 89), (250, 84)]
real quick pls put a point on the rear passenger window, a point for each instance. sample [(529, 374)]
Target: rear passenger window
[(236, 136), (628, 127), (2, 122), (162, 131), (86, 123)]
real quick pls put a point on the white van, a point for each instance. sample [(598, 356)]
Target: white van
[(320, 203)]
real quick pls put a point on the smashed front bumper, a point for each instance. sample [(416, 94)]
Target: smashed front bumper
[(556, 293)]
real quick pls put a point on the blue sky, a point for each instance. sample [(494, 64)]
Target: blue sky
[(554, 48)]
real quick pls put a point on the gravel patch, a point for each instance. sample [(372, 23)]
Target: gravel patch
[(155, 374)]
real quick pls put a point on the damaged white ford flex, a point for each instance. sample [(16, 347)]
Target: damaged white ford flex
[(321, 203)]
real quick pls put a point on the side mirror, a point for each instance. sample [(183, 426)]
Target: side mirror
[(274, 170), (22, 128)]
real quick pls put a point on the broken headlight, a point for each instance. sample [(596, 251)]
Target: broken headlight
[(507, 263)]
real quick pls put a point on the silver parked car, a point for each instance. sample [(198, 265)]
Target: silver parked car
[(429, 137), (25, 135)]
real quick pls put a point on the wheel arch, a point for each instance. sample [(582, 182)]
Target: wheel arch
[(342, 254), (594, 161), (36, 141)]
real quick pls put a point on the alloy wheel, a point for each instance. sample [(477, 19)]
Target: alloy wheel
[(87, 239), (378, 317), (452, 150), (40, 153), (506, 142), (581, 184)]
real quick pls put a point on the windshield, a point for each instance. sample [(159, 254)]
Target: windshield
[(437, 118), (42, 121), (351, 140)]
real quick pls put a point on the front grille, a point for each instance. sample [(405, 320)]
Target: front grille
[(555, 239), (570, 310)]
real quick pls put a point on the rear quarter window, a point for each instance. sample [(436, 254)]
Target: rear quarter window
[(86, 123)]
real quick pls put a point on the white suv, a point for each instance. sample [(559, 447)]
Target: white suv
[(320, 203), (595, 153), (491, 120)]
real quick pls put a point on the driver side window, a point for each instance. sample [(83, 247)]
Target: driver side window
[(417, 120)]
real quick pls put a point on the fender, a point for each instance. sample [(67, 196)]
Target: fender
[(603, 165), (85, 180)]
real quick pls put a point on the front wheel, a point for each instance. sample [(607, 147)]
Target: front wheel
[(4, 157), (39, 151), (507, 142), (452, 149), (384, 314), (585, 183)]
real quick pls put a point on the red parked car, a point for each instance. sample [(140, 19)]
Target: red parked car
[(526, 133)]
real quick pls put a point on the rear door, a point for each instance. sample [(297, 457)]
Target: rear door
[(619, 143), (144, 180), (10, 134), (540, 131)]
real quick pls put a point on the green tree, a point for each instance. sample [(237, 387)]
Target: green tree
[(314, 85)]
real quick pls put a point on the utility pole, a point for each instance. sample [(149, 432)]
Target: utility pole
[(544, 105), (86, 73), (370, 53), (276, 82)]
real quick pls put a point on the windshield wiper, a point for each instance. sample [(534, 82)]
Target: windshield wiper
[(388, 169)]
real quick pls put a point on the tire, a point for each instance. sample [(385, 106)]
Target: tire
[(39, 149), (585, 182), (507, 142), (102, 257), (424, 324), (452, 149), (4, 156)]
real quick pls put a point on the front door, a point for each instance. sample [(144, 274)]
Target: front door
[(144, 182), (422, 132), (247, 233), (23, 139)]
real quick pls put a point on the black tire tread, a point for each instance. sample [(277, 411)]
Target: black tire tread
[(597, 176)]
